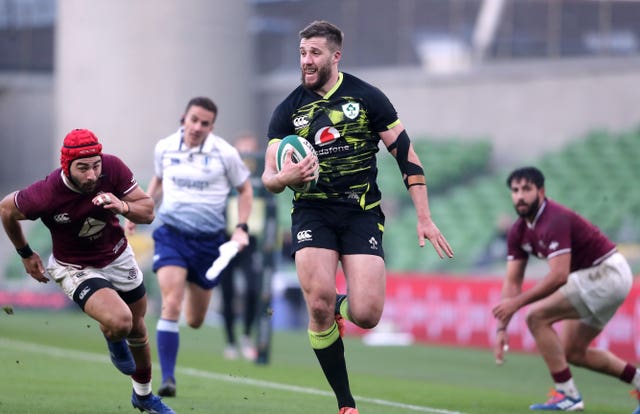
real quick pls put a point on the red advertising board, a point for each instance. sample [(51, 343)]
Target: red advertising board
[(449, 310), (32, 299)]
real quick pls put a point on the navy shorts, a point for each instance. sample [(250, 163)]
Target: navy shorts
[(343, 228), (195, 253)]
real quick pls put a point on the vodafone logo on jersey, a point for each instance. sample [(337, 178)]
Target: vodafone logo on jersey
[(326, 136)]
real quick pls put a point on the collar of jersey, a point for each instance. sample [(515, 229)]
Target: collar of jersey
[(336, 86), (538, 214), (201, 146)]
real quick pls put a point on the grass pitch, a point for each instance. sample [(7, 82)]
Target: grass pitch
[(57, 362)]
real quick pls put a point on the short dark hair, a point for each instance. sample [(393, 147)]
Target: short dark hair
[(203, 102), (531, 174), (322, 28)]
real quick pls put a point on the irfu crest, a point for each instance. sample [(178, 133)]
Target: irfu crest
[(351, 109)]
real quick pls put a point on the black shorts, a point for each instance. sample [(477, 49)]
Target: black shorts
[(343, 228)]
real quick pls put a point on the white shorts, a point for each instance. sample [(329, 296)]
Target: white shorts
[(123, 273), (597, 292)]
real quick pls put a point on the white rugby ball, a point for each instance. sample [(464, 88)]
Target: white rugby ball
[(301, 148)]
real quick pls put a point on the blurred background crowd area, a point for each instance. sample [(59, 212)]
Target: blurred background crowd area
[(482, 86)]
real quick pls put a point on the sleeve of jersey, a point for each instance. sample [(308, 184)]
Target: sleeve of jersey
[(281, 124), (32, 201), (559, 236), (382, 114), (158, 152), (514, 248), (124, 181), (237, 169)]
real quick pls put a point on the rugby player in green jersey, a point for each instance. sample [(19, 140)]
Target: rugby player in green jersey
[(340, 220)]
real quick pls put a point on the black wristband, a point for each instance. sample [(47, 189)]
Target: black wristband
[(25, 252), (243, 226)]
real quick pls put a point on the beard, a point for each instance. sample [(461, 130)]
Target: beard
[(323, 75), (530, 211), (88, 187)]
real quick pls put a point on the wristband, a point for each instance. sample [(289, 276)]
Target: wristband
[(501, 330), (25, 252), (243, 226)]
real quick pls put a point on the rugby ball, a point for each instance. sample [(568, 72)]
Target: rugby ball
[(301, 148)]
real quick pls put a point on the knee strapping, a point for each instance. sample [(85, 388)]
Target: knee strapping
[(138, 342)]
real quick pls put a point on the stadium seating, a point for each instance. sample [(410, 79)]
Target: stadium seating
[(447, 163), (596, 175)]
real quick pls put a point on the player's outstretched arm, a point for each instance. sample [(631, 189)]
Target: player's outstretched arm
[(426, 228), (397, 142)]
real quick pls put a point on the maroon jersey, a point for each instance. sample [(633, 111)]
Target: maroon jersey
[(558, 230), (82, 234)]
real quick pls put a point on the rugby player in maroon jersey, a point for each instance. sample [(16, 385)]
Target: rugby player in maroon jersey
[(91, 260), (587, 281)]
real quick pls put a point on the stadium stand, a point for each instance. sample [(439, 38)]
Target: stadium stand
[(595, 175), (448, 163)]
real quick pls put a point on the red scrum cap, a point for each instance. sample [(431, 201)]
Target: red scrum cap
[(79, 143)]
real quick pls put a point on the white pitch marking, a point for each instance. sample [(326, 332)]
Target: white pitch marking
[(92, 357)]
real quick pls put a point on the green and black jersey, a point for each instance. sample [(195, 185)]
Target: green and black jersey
[(343, 127)]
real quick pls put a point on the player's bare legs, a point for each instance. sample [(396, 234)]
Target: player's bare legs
[(116, 322), (119, 321), (106, 307), (172, 281), (138, 338), (540, 318), (576, 337), (196, 305), (365, 275), (316, 269), (572, 345)]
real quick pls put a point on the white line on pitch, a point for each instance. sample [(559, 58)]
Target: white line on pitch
[(93, 357)]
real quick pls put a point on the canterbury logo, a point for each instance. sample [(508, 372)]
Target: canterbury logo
[(304, 235), (373, 243), (84, 292), (300, 121), (62, 218)]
